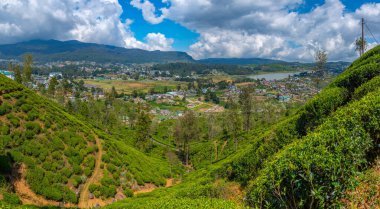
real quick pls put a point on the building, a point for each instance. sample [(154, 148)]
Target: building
[(9, 74), (57, 75)]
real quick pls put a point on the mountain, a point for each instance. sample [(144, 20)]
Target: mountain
[(240, 61), (51, 157), (53, 50)]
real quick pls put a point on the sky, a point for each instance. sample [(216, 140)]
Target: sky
[(289, 30)]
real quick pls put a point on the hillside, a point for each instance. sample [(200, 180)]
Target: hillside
[(325, 155), (52, 50), (49, 157)]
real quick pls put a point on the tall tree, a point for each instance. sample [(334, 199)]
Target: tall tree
[(17, 72), (143, 127), (28, 61), (186, 130), (52, 86), (233, 122), (246, 105), (320, 61)]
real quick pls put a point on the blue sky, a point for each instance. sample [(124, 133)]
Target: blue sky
[(184, 37), (279, 29)]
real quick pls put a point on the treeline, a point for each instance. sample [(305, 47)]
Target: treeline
[(186, 69)]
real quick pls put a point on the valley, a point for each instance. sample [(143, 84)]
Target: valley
[(217, 133)]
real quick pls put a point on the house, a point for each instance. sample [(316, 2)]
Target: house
[(9, 74), (284, 98), (57, 75)]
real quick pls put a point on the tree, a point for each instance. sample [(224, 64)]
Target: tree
[(18, 76), (359, 45), (186, 130), (143, 127), (28, 61), (52, 85), (320, 61), (114, 93), (234, 122), (246, 104)]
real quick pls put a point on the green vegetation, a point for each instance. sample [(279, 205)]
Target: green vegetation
[(58, 150), (311, 159), (180, 203), (321, 155)]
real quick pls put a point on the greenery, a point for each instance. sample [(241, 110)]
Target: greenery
[(324, 154)]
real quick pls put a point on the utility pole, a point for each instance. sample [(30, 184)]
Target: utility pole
[(362, 48)]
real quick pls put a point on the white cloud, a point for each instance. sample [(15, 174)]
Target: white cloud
[(158, 41), (273, 29), (149, 11), (95, 21)]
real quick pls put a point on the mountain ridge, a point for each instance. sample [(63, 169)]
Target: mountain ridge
[(73, 50), (54, 50)]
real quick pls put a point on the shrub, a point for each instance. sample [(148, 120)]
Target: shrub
[(107, 191), (87, 171), (32, 115), (34, 127), (26, 107), (5, 108), (316, 171), (93, 187), (14, 120), (11, 198), (128, 192)]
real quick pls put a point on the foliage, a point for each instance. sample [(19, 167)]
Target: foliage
[(58, 149)]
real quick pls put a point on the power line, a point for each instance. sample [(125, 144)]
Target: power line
[(366, 25)]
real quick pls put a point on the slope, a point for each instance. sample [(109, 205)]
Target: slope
[(59, 157), (311, 159)]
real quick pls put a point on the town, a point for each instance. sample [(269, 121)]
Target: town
[(168, 94)]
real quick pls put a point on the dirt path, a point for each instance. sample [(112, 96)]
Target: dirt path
[(27, 196), (84, 195), (151, 187)]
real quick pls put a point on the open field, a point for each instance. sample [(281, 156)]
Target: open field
[(127, 87)]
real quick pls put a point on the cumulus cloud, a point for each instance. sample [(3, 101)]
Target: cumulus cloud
[(158, 41), (149, 11), (95, 21), (274, 29)]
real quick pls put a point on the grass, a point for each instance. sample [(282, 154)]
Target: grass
[(128, 87)]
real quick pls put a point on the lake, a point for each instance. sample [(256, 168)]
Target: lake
[(273, 76)]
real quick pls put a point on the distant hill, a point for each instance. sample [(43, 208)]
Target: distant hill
[(240, 61), (53, 50)]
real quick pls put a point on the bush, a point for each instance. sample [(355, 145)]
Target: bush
[(14, 120), (93, 187), (34, 127), (316, 171), (32, 115), (364, 89), (5, 108), (26, 107), (11, 198), (128, 192), (107, 191)]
